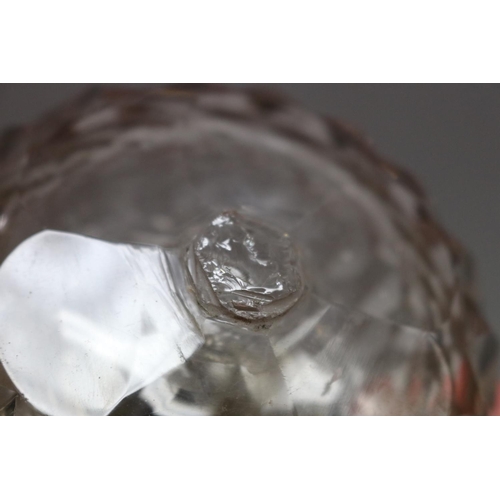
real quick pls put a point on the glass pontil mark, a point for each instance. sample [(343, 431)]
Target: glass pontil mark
[(244, 270)]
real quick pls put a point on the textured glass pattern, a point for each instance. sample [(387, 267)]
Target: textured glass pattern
[(378, 311)]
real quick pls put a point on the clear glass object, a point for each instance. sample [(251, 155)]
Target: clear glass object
[(208, 251)]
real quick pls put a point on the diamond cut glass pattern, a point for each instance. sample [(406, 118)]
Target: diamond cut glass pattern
[(219, 252)]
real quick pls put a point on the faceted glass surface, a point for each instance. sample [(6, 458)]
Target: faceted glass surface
[(365, 305), (85, 323)]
